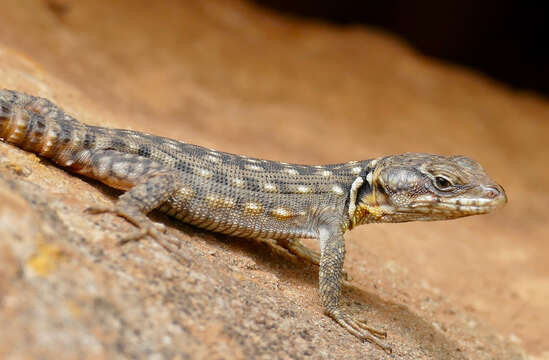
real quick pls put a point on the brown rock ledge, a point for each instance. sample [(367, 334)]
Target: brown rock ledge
[(238, 78)]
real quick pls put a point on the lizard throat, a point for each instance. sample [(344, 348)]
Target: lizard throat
[(371, 208)]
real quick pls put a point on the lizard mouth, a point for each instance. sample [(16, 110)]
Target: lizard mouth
[(485, 199)]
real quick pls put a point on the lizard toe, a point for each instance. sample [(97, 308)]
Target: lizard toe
[(359, 329), (145, 226)]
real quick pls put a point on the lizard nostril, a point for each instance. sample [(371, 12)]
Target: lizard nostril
[(493, 191)]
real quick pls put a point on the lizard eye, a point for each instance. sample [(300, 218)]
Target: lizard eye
[(442, 183)]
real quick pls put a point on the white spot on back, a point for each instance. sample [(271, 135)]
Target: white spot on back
[(173, 145), (253, 167), (238, 182), (290, 171), (303, 189), (326, 173), (269, 187), (102, 166), (205, 173), (337, 189), (213, 158), (120, 169), (133, 146), (356, 170), (138, 168), (76, 139)]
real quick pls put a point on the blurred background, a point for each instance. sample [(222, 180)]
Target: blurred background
[(507, 40)]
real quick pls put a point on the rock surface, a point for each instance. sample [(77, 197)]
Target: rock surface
[(234, 77)]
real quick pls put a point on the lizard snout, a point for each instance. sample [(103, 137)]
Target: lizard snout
[(495, 192)]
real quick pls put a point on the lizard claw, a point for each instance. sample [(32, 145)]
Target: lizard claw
[(153, 229), (144, 224), (360, 329)]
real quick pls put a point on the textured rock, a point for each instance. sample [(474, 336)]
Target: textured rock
[(237, 78)]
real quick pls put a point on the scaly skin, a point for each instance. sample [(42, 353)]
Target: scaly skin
[(246, 197)]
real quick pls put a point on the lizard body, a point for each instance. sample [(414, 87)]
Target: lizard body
[(254, 198)]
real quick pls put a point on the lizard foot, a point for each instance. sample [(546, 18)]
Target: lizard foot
[(359, 329), (144, 224)]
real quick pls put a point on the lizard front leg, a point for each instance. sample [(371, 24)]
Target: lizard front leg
[(332, 248), (295, 247)]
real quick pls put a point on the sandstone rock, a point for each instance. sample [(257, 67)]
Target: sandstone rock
[(238, 78)]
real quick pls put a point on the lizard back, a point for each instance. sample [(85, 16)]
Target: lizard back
[(222, 192)]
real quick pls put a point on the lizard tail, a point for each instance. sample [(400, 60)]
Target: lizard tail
[(39, 126), (22, 121)]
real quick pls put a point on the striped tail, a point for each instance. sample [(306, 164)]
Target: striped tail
[(39, 126)]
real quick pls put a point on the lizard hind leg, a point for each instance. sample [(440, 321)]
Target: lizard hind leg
[(148, 187), (145, 225), (295, 247)]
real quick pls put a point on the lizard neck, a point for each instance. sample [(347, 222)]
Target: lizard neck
[(366, 204)]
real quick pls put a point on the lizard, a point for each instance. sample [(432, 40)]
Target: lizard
[(253, 198)]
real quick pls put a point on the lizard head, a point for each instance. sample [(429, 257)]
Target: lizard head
[(416, 186)]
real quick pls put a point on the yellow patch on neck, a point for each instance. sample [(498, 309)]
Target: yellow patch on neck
[(370, 204), (375, 210), (367, 208)]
